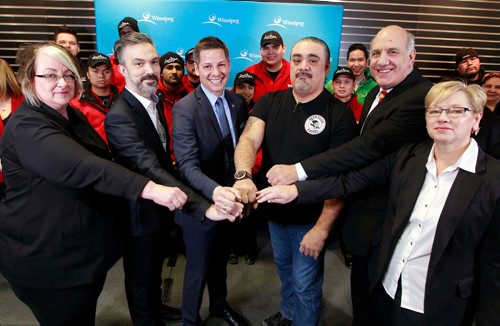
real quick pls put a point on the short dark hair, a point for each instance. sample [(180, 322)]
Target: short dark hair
[(129, 39), (67, 30), (318, 41), (209, 43), (357, 46)]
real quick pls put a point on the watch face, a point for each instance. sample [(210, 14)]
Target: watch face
[(241, 175)]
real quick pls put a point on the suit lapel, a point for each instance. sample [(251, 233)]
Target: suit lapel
[(368, 103), (461, 193)]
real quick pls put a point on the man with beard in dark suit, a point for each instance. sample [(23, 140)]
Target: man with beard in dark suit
[(393, 114)]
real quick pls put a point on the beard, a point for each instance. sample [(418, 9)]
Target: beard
[(146, 89)]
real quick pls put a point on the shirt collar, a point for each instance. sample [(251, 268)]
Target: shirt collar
[(211, 97), (467, 161), (146, 102)]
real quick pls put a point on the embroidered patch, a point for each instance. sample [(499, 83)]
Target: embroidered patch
[(315, 124)]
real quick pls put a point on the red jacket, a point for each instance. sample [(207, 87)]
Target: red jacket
[(168, 100), (14, 103), (118, 80), (264, 83), (355, 106), (94, 109)]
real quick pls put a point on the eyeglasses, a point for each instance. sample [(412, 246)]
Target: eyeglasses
[(53, 78), (453, 112)]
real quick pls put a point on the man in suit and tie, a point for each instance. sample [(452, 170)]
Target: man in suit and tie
[(206, 127), (393, 114), (136, 131)]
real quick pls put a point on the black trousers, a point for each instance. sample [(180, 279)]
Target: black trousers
[(142, 264), (364, 307), (392, 314), (74, 306)]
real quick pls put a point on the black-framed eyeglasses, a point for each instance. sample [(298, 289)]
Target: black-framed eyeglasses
[(53, 78), (453, 112)]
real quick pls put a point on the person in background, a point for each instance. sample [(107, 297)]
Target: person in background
[(244, 85), (357, 60), (468, 66), (491, 85), (11, 97), (68, 38), (56, 218), (488, 135), (438, 258), (170, 88), (343, 86), (126, 26), (272, 73), (98, 94), (191, 80)]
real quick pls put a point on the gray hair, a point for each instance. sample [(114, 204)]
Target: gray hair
[(129, 39)]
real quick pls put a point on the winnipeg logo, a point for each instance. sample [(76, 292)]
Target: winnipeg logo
[(180, 51), (244, 55), (214, 20), (283, 23), (315, 124), (152, 19)]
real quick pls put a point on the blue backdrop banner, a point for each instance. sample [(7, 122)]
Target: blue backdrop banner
[(177, 25)]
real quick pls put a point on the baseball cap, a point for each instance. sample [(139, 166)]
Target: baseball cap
[(271, 37), (189, 53), (465, 53), (343, 71), (97, 59), (244, 77), (170, 57), (128, 21)]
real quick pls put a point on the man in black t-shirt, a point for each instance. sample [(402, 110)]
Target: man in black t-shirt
[(291, 125)]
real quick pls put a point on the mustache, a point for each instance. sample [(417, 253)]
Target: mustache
[(149, 77), (303, 74)]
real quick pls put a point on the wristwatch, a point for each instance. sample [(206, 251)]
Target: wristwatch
[(242, 174)]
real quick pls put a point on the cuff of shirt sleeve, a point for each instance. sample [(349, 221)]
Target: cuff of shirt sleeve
[(301, 173)]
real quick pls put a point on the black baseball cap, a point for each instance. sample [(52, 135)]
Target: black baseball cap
[(171, 57), (271, 37), (98, 59), (244, 77), (465, 53), (343, 71), (128, 21), (189, 53)]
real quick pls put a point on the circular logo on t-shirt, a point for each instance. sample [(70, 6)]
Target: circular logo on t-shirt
[(315, 124)]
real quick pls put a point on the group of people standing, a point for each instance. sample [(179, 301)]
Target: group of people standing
[(101, 169)]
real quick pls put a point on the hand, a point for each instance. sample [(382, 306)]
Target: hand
[(282, 174), (248, 191), (313, 242), (214, 214), (171, 197), (278, 194), (226, 198)]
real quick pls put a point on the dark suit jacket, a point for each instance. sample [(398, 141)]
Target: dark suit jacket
[(397, 120), (465, 257), (488, 137), (203, 160), (136, 145), (56, 224)]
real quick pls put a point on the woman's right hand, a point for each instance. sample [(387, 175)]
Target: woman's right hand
[(171, 197)]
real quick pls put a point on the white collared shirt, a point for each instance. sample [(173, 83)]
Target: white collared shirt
[(212, 99), (411, 256), (148, 104)]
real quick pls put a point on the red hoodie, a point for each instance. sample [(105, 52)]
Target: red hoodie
[(265, 84)]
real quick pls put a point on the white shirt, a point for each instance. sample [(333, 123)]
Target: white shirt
[(148, 104), (411, 256)]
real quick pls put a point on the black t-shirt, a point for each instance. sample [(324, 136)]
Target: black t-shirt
[(296, 131)]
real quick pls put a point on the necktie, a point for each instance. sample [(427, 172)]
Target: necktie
[(382, 95), (227, 139), (159, 127), (221, 115)]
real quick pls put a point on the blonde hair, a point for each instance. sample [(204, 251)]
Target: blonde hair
[(441, 91), (9, 86), (27, 57)]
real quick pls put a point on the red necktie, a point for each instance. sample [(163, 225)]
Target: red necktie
[(381, 96)]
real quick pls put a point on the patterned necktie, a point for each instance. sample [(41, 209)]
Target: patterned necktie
[(221, 115), (382, 95), (159, 127)]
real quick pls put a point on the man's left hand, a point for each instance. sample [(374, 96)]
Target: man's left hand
[(282, 174)]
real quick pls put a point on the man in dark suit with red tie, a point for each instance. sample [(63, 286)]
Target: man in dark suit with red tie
[(206, 126), (386, 124)]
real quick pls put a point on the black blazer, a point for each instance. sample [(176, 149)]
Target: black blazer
[(464, 270), (488, 137), (203, 159), (134, 141), (56, 223)]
